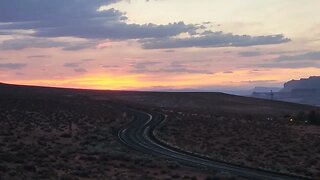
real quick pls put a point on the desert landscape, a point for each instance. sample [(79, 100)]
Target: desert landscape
[(52, 135), (274, 143), (72, 134), (265, 134), (159, 89)]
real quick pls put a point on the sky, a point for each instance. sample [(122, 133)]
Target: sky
[(158, 44)]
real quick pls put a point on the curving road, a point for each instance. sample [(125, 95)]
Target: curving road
[(139, 136)]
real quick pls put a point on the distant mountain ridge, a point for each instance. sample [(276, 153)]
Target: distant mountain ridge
[(304, 91), (312, 82)]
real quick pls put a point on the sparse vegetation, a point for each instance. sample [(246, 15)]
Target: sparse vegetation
[(273, 144), (53, 136), (312, 117), (51, 133)]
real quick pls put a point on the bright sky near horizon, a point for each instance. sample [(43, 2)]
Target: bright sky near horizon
[(158, 44)]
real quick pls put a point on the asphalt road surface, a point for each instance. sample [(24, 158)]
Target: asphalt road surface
[(139, 136)]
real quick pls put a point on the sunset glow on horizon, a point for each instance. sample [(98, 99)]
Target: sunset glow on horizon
[(158, 45)]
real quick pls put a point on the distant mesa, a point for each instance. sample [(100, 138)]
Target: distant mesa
[(311, 83), (304, 91)]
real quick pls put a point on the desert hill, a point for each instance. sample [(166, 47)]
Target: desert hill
[(194, 101)]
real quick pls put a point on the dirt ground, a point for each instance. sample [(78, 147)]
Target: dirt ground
[(58, 137), (274, 144), (54, 133)]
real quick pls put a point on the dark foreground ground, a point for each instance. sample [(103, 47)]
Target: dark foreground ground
[(48, 133), (61, 136), (276, 145)]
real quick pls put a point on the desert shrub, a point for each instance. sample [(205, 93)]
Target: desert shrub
[(104, 157), (173, 166), (12, 173), (145, 177), (225, 175), (3, 168), (88, 158), (211, 178), (175, 176), (314, 117), (287, 116), (65, 135), (115, 155), (29, 167), (84, 173), (163, 172), (249, 117), (7, 157), (302, 116), (114, 130), (68, 177)]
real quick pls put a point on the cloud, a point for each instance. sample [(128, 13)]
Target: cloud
[(76, 65), (79, 18), (39, 10), (75, 46), (250, 53), (169, 51), (173, 67), (118, 31), (12, 66), (180, 70), (87, 60), (300, 57), (20, 32), (43, 19), (22, 43), (259, 81), (35, 42), (142, 66), (80, 70), (213, 39), (38, 56), (71, 65), (19, 74), (289, 65), (304, 60), (279, 52), (110, 66)]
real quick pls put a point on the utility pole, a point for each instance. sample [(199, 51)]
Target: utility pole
[(271, 95)]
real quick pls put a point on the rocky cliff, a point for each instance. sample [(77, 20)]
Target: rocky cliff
[(312, 82)]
